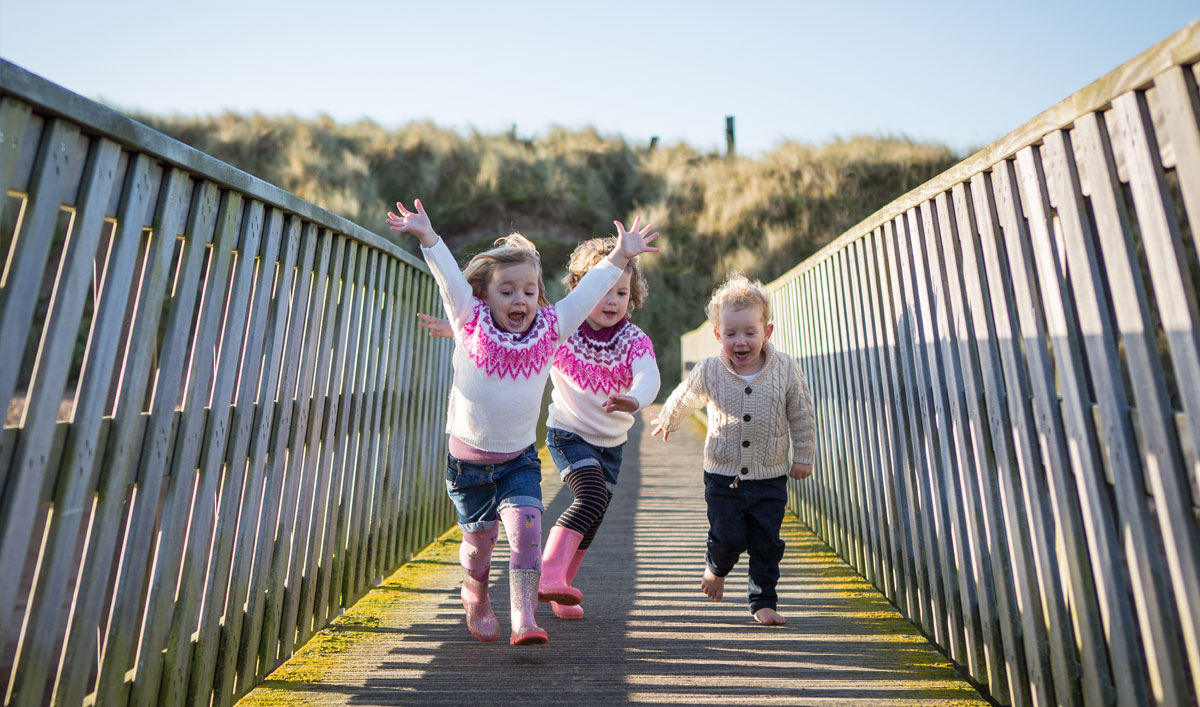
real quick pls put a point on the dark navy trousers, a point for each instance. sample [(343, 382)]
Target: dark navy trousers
[(746, 518)]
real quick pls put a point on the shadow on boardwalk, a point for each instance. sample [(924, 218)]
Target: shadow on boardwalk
[(648, 636)]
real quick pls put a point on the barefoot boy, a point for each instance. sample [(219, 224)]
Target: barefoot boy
[(759, 409)]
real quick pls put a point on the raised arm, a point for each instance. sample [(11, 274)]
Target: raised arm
[(574, 308), (456, 291)]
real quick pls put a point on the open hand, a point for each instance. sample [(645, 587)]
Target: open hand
[(632, 243), (659, 428), (438, 328), (800, 471), (624, 403), (414, 222)]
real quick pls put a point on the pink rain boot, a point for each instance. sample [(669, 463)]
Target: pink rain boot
[(475, 554), (523, 590), (560, 550), (563, 611)]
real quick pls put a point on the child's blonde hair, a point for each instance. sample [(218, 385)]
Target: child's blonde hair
[(589, 252), (512, 249), (735, 294)]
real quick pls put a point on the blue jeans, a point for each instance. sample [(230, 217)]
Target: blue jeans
[(479, 491), (746, 518), (570, 452)]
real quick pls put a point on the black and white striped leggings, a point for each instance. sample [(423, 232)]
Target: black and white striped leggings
[(591, 500)]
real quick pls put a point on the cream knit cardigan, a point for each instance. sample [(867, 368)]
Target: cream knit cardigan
[(751, 426)]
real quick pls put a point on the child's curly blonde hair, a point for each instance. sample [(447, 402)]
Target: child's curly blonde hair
[(512, 249), (735, 294), (589, 252)]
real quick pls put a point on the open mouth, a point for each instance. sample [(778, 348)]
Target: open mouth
[(516, 320)]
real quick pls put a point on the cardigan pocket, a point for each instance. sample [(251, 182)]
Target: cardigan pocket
[(777, 451), (716, 449)]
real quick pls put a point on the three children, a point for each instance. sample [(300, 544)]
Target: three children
[(508, 339)]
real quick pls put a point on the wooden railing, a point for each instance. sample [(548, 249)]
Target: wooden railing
[(1006, 369), (222, 425)]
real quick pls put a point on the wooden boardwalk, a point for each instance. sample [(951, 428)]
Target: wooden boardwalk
[(649, 635)]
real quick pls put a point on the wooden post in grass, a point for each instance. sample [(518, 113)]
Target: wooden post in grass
[(730, 149)]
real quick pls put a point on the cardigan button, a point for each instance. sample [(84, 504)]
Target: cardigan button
[(745, 470), (746, 417), (746, 443), (748, 390)]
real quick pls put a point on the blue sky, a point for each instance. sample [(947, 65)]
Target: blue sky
[(961, 73)]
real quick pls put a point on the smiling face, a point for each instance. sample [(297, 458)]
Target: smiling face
[(613, 306), (512, 295), (742, 333)]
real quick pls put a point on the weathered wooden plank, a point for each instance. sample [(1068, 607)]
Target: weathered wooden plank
[(1178, 295), (1095, 502), (258, 245), (821, 517), (374, 570), (18, 298), (861, 310), (117, 497), (1007, 676), (1175, 91), (954, 446), (851, 381), (83, 457), (899, 354), (362, 414), (956, 579), (288, 449), (839, 496), (334, 440), (269, 451), (320, 439), (204, 226), (1136, 524), (185, 515), (46, 391), (1050, 629), (244, 621), (406, 313), (1162, 456), (851, 498), (131, 602), (332, 593), (304, 449), (892, 440), (13, 117), (908, 337)]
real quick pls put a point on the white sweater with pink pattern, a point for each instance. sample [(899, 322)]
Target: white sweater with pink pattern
[(594, 365), (499, 376)]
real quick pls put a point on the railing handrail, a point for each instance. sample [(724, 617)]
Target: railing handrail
[(103, 121)]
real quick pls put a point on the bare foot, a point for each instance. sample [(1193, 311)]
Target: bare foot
[(712, 586), (769, 617)]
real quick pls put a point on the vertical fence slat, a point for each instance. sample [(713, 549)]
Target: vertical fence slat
[(320, 439), (1162, 454), (192, 515), (46, 393), (287, 451), (303, 444), (994, 579), (1143, 557), (956, 447), (18, 297)]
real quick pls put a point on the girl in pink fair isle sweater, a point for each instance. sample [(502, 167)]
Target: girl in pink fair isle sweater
[(603, 374), (505, 335)]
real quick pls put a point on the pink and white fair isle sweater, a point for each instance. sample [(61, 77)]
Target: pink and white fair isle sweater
[(752, 426), (499, 376), (591, 366)]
